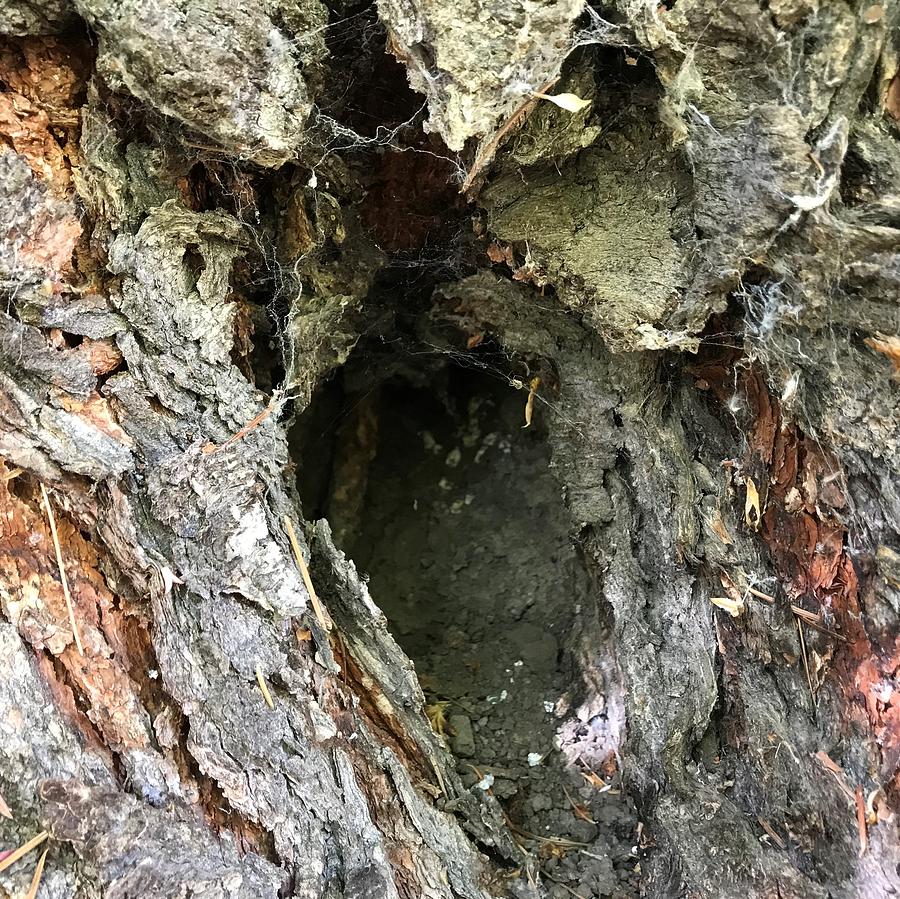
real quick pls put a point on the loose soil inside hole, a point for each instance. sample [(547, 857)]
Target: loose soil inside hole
[(450, 508)]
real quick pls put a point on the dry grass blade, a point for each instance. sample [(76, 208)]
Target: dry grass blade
[(264, 688), (304, 573), (24, 849), (38, 873), (62, 569)]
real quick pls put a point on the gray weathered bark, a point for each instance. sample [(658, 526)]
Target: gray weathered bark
[(205, 206)]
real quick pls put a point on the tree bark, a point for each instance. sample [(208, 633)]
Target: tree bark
[(210, 210)]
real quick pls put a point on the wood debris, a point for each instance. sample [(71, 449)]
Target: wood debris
[(771, 832), (92, 688), (596, 781), (734, 607), (861, 822), (717, 526), (887, 346), (751, 506), (837, 772), (529, 403)]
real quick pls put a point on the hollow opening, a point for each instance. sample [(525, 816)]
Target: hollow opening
[(449, 507)]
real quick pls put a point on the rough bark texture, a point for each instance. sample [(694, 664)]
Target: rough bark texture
[(207, 208)]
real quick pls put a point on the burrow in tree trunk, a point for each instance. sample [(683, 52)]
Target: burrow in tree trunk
[(449, 450)]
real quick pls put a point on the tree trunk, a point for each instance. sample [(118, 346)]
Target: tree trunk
[(576, 327)]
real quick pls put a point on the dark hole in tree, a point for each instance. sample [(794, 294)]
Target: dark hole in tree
[(449, 506)]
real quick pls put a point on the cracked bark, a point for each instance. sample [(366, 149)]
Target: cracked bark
[(201, 222)]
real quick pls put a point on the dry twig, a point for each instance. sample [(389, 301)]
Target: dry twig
[(760, 595), (516, 120)]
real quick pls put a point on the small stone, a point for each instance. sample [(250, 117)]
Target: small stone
[(462, 740), (505, 789), (582, 831)]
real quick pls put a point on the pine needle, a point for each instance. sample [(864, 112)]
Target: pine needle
[(38, 872), (264, 688), (304, 572), (861, 822), (815, 623), (24, 849), (251, 425), (812, 690), (62, 569)]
